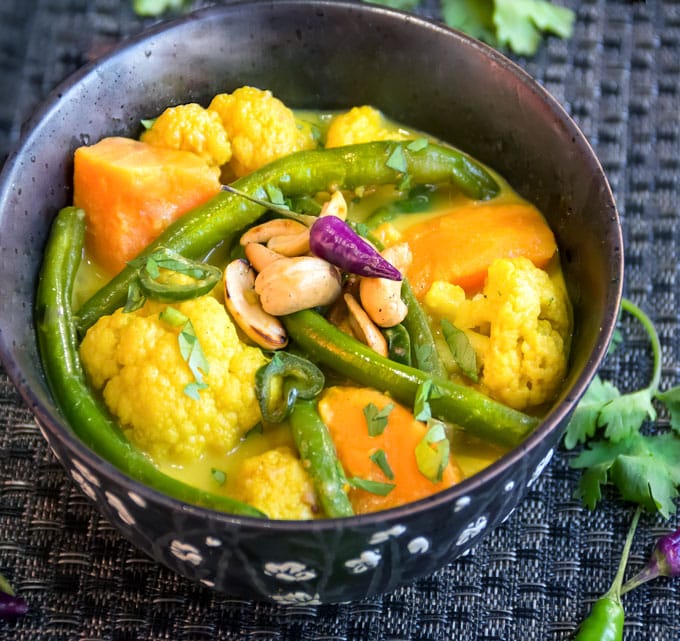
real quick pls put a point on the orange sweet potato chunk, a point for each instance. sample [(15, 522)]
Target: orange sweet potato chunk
[(131, 191), (459, 245), (342, 410)]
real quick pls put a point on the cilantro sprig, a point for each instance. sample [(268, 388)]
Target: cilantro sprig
[(643, 464), (518, 25)]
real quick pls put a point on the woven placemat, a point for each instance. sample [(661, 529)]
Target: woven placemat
[(535, 576)]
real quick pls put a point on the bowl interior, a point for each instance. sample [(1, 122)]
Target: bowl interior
[(320, 55)]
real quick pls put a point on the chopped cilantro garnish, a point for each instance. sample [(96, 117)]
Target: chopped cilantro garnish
[(380, 459), (374, 487), (461, 349), (219, 475), (397, 160), (189, 348), (417, 144), (377, 419), (432, 452), (275, 196), (421, 407)]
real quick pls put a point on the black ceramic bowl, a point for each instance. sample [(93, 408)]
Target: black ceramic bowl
[(316, 55)]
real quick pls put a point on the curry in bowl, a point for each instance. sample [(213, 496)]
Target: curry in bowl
[(298, 314)]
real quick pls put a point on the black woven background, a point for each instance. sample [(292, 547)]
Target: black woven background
[(534, 577)]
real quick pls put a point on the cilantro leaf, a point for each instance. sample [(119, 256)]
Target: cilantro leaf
[(418, 144), (432, 452), (461, 349), (474, 17), (644, 467), (397, 160), (421, 406), (590, 485), (374, 487), (192, 352), (380, 459), (377, 419), (624, 415), (585, 419), (650, 473), (519, 23), (671, 399), (516, 24), (218, 475)]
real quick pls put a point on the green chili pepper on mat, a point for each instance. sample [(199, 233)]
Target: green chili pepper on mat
[(315, 445), (306, 172), (458, 404), (605, 621), (58, 345)]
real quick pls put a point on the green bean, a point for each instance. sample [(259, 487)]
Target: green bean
[(459, 404), (307, 172), (57, 342), (424, 352), (317, 451)]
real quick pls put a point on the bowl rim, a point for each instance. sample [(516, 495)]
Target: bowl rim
[(554, 421)]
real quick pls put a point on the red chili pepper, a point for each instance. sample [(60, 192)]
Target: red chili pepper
[(334, 240)]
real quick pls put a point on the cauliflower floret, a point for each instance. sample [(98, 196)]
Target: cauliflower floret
[(359, 124), (190, 127), (135, 360), (260, 127), (520, 327), (276, 483)]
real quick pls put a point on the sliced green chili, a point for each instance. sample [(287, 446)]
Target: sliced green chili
[(152, 283), (283, 380), (398, 344)]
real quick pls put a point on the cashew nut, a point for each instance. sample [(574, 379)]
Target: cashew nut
[(259, 256), (278, 227), (291, 284), (290, 244), (336, 206), (381, 297), (364, 328), (241, 300)]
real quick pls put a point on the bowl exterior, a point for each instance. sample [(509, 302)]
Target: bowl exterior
[(316, 55)]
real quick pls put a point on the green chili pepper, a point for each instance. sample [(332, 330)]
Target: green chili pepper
[(283, 380), (203, 277), (57, 342), (317, 451), (197, 232), (459, 404), (606, 618)]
